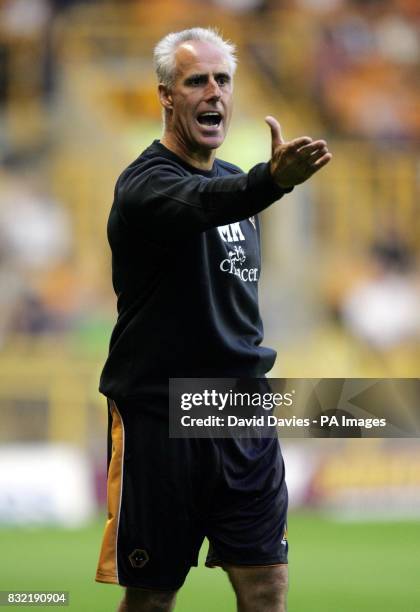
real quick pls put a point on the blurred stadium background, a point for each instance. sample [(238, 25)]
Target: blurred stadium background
[(340, 290)]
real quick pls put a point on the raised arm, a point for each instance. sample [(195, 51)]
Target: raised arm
[(162, 197), (167, 199)]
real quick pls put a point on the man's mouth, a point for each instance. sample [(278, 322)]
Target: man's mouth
[(210, 118)]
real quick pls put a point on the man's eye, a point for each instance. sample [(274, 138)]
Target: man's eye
[(195, 81), (222, 80)]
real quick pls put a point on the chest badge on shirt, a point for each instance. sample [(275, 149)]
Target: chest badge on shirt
[(252, 219)]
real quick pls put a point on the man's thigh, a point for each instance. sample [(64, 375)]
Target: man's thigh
[(260, 588), (144, 600), (152, 536), (247, 514)]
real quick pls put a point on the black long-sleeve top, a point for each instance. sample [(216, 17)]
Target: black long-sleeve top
[(185, 265)]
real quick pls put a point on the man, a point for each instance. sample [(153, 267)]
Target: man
[(186, 262)]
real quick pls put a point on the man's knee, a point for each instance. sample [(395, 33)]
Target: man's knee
[(144, 600), (260, 588)]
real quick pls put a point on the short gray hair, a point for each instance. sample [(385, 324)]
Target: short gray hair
[(164, 52)]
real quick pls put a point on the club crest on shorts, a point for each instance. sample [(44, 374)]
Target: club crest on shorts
[(138, 558)]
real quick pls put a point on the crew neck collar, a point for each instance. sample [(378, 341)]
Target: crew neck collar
[(193, 169)]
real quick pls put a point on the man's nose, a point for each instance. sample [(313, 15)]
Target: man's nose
[(213, 89)]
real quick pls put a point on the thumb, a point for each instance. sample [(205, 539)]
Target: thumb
[(276, 136)]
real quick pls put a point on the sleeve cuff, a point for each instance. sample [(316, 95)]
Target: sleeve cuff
[(262, 181), (280, 190)]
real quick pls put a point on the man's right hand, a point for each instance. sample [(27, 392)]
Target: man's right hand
[(294, 162)]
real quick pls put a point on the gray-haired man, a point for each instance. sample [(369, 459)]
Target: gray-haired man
[(186, 262)]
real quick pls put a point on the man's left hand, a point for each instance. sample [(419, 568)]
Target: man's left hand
[(294, 162)]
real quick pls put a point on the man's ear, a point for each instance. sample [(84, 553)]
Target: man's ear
[(165, 96)]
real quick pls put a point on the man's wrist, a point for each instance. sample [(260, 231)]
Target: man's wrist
[(282, 188)]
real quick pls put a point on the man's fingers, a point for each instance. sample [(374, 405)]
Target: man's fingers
[(317, 155), (307, 150), (298, 143), (276, 135), (320, 163), (294, 162)]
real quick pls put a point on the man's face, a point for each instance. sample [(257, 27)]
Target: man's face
[(200, 101)]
